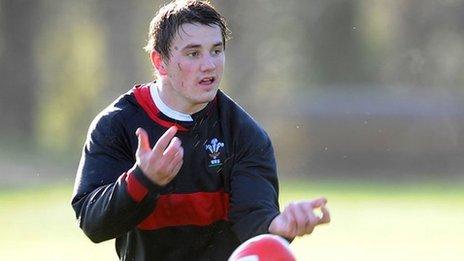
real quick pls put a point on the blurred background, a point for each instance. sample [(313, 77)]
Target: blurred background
[(363, 100)]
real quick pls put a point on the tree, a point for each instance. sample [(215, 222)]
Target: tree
[(19, 22)]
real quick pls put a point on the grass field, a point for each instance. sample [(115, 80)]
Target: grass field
[(414, 221)]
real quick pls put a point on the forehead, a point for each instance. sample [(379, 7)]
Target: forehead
[(198, 34)]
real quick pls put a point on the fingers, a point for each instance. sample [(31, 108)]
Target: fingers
[(144, 143), (176, 168), (301, 219), (173, 154), (325, 216), (290, 215), (298, 221), (162, 163), (172, 148), (176, 162), (319, 202), (311, 221), (164, 140)]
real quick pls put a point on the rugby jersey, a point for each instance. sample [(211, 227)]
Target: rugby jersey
[(225, 193)]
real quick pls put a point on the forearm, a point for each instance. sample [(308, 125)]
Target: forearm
[(252, 222), (113, 209), (254, 203)]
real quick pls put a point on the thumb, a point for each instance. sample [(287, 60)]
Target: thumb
[(144, 143), (325, 216)]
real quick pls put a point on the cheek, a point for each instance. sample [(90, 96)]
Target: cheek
[(183, 74), (220, 64), (184, 68)]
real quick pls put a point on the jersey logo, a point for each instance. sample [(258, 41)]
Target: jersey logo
[(214, 149)]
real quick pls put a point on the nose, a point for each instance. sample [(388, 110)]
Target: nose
[(208, 64)]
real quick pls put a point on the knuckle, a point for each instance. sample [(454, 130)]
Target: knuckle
[(302, 221), (314, 223), (287, 215), (161, 170), (294, 233), (326, 220), (310, 230), (292, 221), (290, 206), (176, 142), (179, 154)]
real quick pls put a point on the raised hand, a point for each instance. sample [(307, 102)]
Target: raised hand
[(162, 163), (298, 218)]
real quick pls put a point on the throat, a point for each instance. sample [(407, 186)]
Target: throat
[(165, 109)]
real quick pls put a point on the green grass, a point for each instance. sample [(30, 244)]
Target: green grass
[(415, 221), (384, 222), (39, 224)]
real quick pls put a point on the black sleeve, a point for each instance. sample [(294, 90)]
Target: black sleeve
[(102, 200), (253, 186)]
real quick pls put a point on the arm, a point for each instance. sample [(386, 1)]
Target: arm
[(111, 196), (253, 186), (254, 197), (108, 199), (111, 210)]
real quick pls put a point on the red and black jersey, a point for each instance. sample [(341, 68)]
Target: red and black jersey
[(225, 192)]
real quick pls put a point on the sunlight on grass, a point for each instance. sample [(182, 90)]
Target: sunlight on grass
[(384, 222), (39, 224), (369, 222)]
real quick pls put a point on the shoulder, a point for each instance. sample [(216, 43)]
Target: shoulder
[(245, 129), (236, 114), (113, 119)]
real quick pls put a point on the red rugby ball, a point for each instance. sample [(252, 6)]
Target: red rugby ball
[(265, 247)]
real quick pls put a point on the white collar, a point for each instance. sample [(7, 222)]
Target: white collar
[(179, 116)]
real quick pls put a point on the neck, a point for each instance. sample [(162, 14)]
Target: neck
[(165, 109)]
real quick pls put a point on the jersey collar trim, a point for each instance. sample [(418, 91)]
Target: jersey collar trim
[(143, 97), (173, 114)]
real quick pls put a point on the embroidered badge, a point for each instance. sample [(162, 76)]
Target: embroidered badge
[(214, 148)]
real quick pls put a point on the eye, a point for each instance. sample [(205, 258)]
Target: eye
[(193, 54), (217, 51)]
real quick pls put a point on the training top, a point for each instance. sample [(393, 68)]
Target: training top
[(225, 193)]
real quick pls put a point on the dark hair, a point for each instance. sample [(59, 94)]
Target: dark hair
[(172, 16)]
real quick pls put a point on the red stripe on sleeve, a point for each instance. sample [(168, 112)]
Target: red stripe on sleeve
[(135, 189), (143, 96), (201, 209)]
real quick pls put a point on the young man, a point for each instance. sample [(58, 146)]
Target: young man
[(174, 169)]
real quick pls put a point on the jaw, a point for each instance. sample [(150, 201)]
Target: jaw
[(188, 98)]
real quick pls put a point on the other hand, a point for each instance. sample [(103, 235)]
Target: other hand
[(162, 162), (298, 218)]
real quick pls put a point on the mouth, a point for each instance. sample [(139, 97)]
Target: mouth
[(206, 81)]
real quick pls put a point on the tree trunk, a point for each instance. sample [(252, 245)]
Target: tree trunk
[(19, 20)]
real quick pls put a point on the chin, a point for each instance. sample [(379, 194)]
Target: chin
[(209, 96)]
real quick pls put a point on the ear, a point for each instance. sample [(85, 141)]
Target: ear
[(158, 63)]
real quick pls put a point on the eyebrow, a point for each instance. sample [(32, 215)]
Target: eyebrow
[(194, 46)]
